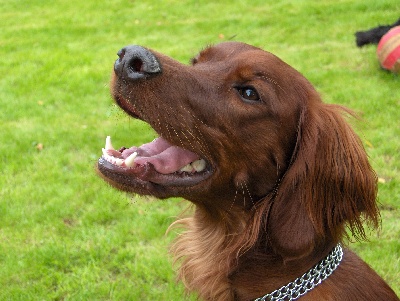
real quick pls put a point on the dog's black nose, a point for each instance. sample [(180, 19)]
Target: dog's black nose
[(136, 62)]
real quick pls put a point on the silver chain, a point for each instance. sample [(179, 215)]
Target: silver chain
[(309, 280)]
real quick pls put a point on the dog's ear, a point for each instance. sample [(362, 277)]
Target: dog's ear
[(328, 185)]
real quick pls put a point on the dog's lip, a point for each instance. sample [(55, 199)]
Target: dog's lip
[(127, 107), (164, 189), (147, 176)]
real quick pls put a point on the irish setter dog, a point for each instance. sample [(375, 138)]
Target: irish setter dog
[(276, 176)]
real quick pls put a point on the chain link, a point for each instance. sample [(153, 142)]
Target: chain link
[(309, 280)]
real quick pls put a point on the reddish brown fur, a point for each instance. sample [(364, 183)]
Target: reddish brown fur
[(289, 174)]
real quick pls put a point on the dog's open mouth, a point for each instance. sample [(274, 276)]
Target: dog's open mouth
[(158, 162)]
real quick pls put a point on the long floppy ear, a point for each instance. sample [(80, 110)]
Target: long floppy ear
[(329, 184)]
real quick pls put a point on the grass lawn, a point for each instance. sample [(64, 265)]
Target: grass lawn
[(64, 234)]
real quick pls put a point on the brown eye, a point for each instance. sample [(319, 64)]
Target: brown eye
[(248, 93)]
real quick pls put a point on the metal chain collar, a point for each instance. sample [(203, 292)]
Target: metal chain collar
[(309, 280)]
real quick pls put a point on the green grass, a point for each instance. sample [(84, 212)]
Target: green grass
[(64, 234)]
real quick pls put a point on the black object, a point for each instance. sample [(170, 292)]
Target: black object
[(373, 35)]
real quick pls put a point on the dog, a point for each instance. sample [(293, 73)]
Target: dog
[(276, 176), (373, 35)]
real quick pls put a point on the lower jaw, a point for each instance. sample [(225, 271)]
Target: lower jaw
[(148, 181), (130, 184)]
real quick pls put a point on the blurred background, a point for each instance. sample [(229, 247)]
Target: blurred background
[(64, 233)]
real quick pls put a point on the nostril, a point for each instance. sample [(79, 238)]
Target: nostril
[(136, 65)]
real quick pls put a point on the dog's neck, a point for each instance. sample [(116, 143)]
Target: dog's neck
[(215, 266), (313, 277), (259, 273)]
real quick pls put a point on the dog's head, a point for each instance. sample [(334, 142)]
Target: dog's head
[(240, 129), (234, 112)]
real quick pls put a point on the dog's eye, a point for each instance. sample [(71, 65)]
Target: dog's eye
[(248, 93)]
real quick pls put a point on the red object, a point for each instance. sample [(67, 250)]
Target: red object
[(388, 50)]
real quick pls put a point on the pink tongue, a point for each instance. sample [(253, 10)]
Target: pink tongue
[(165, 158)]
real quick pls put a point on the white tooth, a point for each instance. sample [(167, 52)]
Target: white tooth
[(108, 144), (119, 162), (187, 168), (105, 155), (199, 165), (130, 161)]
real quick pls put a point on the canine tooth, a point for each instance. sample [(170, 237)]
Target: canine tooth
[(187, 168), (199, 165), (130, 161), (105, 154), (108, 144)]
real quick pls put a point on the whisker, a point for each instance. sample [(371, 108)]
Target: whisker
[(244, 194), (248, 192), (234, 199), (200, 145)]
